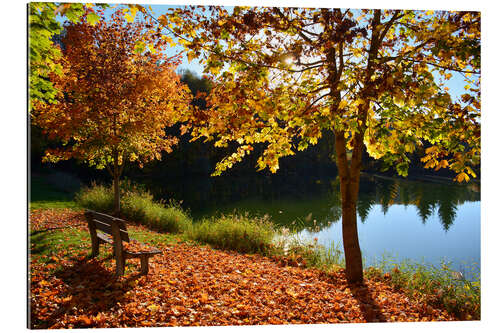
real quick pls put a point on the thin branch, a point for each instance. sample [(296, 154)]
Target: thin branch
[(301, 33), (312, 63), (319, 89), (443, 67), (389, 24), (268, 66), (316, 101), (109, 170), (417, 47), (309, 32)]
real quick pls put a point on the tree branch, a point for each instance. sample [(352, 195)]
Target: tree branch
[(389, 24), (318, 99), (442, 67)]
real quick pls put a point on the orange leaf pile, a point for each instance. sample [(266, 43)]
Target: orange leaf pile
[(46, 219), (195, 285), (135, 246)]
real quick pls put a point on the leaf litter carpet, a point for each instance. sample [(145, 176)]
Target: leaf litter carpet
[(199, 286)]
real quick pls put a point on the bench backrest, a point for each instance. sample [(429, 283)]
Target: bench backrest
[(106, 223)]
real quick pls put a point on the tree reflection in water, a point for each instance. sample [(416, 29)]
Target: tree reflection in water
[(428, 198), (313, 203), (425, 196)]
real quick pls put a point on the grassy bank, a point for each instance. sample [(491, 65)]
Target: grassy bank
[(191, 286), (246, 234), (239, 233), (437, 285)]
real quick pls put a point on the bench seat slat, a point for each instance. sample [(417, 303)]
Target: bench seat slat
[(105, 227), (104, 237), (108, 239), (129, 254), (102, 226)]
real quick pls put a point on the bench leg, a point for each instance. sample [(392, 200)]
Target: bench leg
[(144, 265), (95, 248), (120, 262), (120, 267)]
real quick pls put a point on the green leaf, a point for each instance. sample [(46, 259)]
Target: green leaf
[(151, 48), (139, 47), (92, 18)]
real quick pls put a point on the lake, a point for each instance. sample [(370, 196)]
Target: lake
[(424, 221)]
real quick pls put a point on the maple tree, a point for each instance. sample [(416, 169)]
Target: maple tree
[(115, 97), (377, 78)]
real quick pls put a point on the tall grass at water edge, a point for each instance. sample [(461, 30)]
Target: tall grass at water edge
[(235, 232), (136, 205), (433, 284)]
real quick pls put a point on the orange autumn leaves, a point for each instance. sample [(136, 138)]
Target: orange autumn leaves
[(116, 97), (192, 285)]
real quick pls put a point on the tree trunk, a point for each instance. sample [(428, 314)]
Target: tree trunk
[(352, 251), (349, 187), (116, 191), (116, 185)]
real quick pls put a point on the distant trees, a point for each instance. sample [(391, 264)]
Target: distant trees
[(117, 94), (199, 87)]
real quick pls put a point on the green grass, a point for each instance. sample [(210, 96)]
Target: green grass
[(97, 197), (435, 284), (156, 215), (311, 254), (44, 243), (51, 247), (157, 239), (235, 232), (137, 206), (45, 196)]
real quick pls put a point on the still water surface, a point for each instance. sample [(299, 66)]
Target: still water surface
[(423, 221)]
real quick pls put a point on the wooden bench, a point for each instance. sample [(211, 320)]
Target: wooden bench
[(108, 229)]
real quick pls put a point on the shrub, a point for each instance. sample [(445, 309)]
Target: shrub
[(235, 232), (310, 253), (137, 205), (174, 220), (96, 197)]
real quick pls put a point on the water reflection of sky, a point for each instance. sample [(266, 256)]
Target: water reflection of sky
[(401, 233)]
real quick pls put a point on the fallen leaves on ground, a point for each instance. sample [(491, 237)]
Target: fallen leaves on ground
[(135, 246), (48, 219), (196, 285)]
